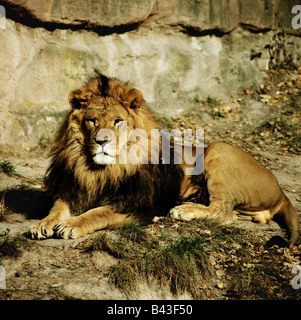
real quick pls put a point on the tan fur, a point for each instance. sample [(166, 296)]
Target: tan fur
[(236, 181), (89, 196)]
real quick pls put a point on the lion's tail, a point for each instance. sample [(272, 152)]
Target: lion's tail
[(287, 216)]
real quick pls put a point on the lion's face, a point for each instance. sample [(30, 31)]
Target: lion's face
[(106, 124), (108, 113)]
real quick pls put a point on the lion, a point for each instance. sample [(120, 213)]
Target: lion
[(92, 191)]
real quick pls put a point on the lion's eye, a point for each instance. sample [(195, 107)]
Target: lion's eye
[(117, 122)]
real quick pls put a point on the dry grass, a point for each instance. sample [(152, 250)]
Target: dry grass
[(192, 257), (288, 133), (179, 263)]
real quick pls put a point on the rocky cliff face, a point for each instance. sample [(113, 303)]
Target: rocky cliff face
[(174, 51)]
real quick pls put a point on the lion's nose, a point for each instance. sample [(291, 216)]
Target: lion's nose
[(102, 142)]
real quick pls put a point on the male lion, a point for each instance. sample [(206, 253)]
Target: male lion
[(92, 191)]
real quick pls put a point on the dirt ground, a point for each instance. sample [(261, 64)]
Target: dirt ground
[(264, 121)]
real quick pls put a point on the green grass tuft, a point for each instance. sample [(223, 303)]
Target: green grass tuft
[(12, 246), (178, 263), (8, 168)]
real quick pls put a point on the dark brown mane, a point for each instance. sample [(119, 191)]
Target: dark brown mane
[(103, 82)]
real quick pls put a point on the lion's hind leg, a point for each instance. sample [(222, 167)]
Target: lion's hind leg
[(261, 217), (44, 228), (190, 211)]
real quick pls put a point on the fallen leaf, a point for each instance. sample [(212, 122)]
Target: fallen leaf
[(220, 285), (209, 293)]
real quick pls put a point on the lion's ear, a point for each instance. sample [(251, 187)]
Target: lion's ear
[(133, 99), (79, 98)]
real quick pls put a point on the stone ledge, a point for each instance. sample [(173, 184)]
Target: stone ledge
[(119, 16)]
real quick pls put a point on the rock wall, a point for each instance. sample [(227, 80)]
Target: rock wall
[(174, 51)]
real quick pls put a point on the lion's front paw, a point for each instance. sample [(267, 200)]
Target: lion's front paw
[(69, 229), (175, 213), (182, 213), (41, 230)]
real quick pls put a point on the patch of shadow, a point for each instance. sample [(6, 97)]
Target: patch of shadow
[(277, 240), (22, 14), (34, 204)]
